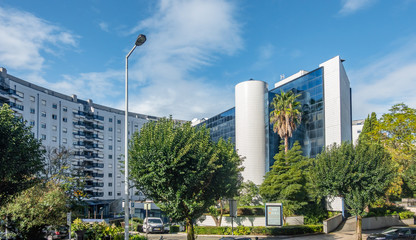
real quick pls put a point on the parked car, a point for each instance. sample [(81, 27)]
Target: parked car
[(394, 233), (154, 225)]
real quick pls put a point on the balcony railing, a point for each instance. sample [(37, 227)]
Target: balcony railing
[(16, 106)]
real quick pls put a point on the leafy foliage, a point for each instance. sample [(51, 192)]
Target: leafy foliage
[(286, 115), (360, 174), (36, 208), (396, 130), (182, 170), (249, 194), (20, 155), (286, 181)]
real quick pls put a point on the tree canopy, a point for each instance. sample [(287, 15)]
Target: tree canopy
[(361, 174), (286, 181), (182, 170), (286, 115), (20, 155)]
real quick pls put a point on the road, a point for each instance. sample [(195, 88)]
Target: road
[(330, 236)]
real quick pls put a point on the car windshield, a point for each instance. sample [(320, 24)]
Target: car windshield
[(390, 231), (154, 221)]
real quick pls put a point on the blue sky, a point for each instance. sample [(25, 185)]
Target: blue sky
[(196, 50)]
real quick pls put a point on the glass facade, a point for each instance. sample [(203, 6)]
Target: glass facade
[(311, 132), (222, 126)]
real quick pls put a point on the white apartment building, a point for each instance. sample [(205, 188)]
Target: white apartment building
[(95, 133)]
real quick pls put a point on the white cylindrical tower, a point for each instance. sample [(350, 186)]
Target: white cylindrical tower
[(250, 128)]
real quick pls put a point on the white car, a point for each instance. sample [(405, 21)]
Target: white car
[(154, 225)]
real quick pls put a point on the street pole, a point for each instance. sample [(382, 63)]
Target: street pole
[(139, 41)]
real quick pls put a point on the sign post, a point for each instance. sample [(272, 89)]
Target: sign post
[(147, 206), (68, 221), (233, 213), (274, 214)]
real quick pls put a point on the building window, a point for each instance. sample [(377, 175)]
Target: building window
[(119, 148), (110, 193), (118, 121), (65, 119), (43, 137), (110, 175), (110, 184), (54, 116), (118, 176), (110, 165), (110, 147), (43, 114), (110, 120), (64, 140), (110, 129), (43, 125), (43, 102), (136, 126), (20, 94), (118, 130), (32, 111), (32, 123), (110, 139), (54, 128), (118, 139), (65, 109), (53, 139), (110, 156), (54, 105), (118, 193), (64, 130), (32, 98)]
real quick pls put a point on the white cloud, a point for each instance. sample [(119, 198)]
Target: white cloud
[(385, 82), (182, 37), (351, 6), (104, 26), (25, 36)]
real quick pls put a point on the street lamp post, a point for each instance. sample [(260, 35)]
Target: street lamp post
[(139, 41)]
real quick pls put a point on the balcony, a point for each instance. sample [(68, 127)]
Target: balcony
[(89, 116), (16, 106)]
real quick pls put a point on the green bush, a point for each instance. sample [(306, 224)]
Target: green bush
[(241, 230), (174, 229), (406, 215), (387, 210), (137, 237), (245, 211)]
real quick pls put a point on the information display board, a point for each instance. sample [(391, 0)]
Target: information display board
[(274, 214)]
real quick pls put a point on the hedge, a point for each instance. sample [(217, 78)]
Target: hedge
[(242, 230)]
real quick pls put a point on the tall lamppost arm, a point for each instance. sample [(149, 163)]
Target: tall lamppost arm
[(139, 41)]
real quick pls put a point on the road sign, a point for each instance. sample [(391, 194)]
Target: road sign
[(68, 219), (147, 206), (233, 208)]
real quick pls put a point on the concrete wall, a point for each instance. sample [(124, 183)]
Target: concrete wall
[(332, 223), (382, 222), (248, 221)]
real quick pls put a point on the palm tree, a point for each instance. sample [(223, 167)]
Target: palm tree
[(286, 115)]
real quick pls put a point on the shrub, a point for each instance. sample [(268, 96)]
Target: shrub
[(406, 215), (245, 211), (241, 230), (174, 229), (137, 237)]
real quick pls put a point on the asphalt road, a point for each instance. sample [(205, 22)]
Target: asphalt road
[(330, 236)]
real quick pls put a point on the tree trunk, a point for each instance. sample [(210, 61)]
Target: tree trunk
[(190, 229), (286, 143), (221, 213), (359, 230)]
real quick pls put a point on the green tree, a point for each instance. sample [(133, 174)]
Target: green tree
[(396, 130), (286, 181), (32, 210), (20, 155), (249, 194), (182, 170), (286, 115), (361, 174)]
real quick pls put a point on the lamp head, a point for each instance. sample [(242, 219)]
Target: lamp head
[(140, 39)]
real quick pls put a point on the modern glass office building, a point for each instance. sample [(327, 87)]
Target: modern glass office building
[(325, 96)]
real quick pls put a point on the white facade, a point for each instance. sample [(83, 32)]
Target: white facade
[(337, 98), (95, 133), (357, 127), (251, 128)]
